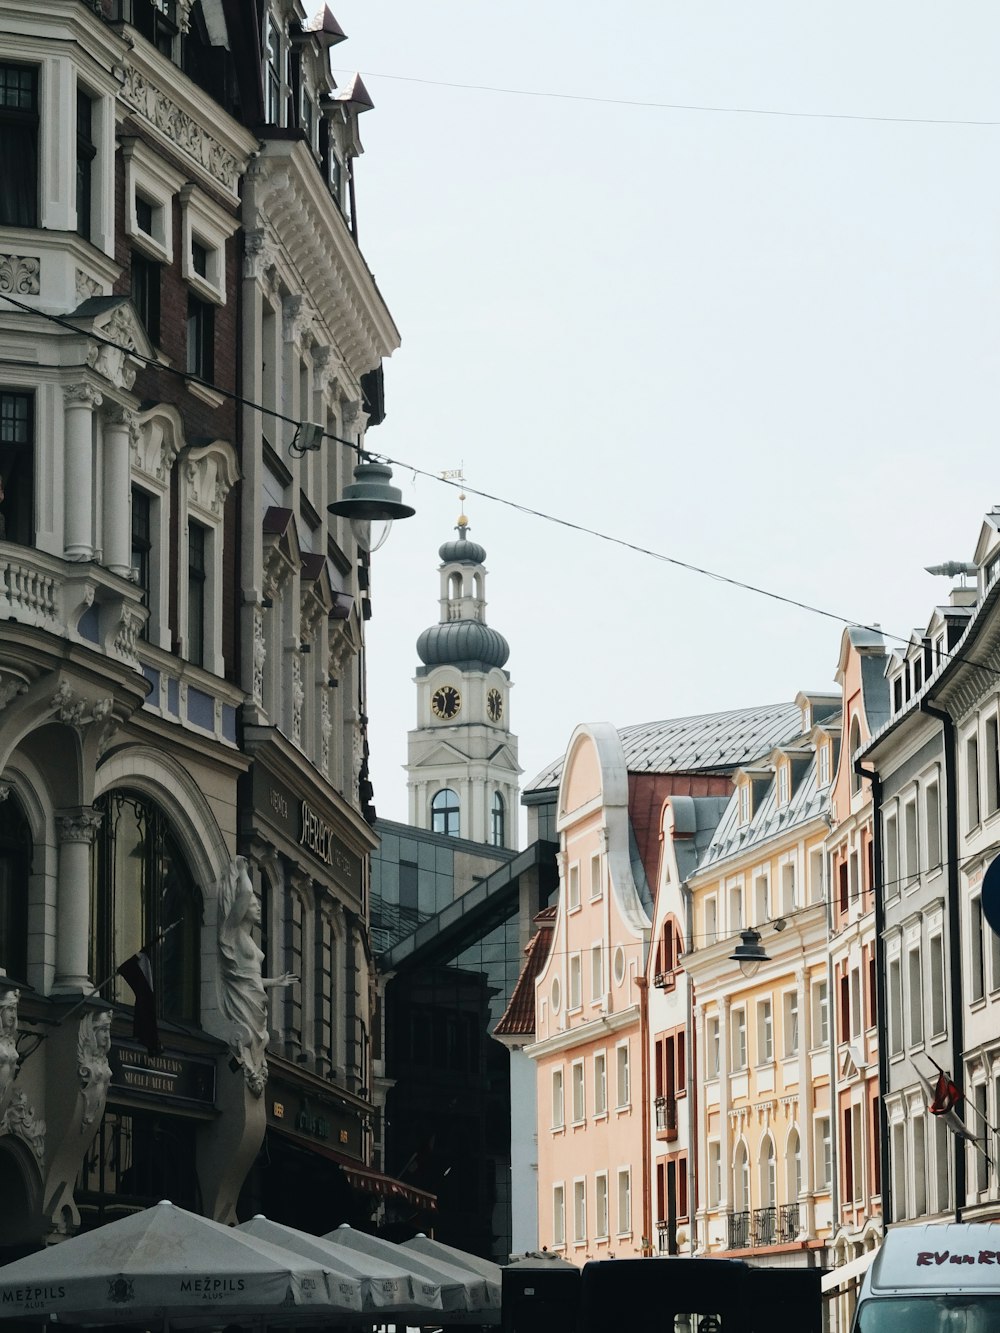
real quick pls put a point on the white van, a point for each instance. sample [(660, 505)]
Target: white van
[(933, 1278)]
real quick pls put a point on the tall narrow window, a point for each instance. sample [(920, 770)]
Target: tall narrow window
[(623, 1083), (558, 1100), (15, 869), (200, 339), (499, 819), (992, 765), (600, 1084), (19, 146), (932, 818), (936, 946), (445, 812), (624, 1201), (977, 979), (791, 1023), (272, 72), (85, 154), (293, 956), (739, 1052), (915, 998), (601, 1191), (765, 1033), (197, 573), (558, 1215), (972, 782), (17, 466), (326, 989), (142, 544), (579, 1211), (145, 290), (895, 1007)]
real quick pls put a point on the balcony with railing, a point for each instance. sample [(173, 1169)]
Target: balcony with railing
[(764, 1229), (788, 1223), (666, 1118), (738, 1229)]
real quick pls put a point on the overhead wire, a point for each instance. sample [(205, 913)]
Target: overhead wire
[(649, 104), (365, 452)]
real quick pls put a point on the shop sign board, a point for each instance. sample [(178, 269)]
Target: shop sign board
[(179, 1077), (303, 825)]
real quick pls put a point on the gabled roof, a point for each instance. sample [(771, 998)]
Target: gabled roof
[(705, 742), (519, 1017)]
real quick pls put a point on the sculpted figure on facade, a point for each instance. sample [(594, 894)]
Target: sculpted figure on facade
[(21, 1120), (93, 1046), (8, 1045), (242, 985)]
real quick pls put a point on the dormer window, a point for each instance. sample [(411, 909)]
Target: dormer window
[(307, 118), (824, 764), (897, 694), (783, 784), (745, 803)]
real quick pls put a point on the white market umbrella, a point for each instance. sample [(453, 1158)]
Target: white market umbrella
[(164, 1264), (461, 1290), (436, 1249), (384, 1287)]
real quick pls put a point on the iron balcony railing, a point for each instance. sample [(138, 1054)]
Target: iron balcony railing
[(666, 1115), (788, 1222), (739, 1230), (764, 1229)]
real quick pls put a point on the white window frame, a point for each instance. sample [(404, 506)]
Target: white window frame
[(558, 1099), (824, 1153), (558, 1216), (791, 1036), (579, 1210), (573, 887), (738, 1050), (624, 1192), (765, 1031), (596, 877), (714, 1155), (601, 1210), (597, 989), (147, 174), (575, 983), (209, 224), (207, 477), (600, 1084), (623, 1077), (713, 1046), (820, 1014), (578, 1092)]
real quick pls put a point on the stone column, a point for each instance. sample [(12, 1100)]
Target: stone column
[(726, 1199), (76, 830), (119, 432), (78, 471)]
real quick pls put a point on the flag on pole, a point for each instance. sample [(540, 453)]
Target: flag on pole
[(137, 971), (946, 1096)]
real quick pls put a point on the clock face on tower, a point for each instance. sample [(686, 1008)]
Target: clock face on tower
[(445, 702), (494, 705)]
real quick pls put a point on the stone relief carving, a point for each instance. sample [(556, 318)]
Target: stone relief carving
[(21, 1120), (180, 129), (10, 688), (112, 362), (156, 447), (259, 655), (86, 286), (9, 997), (79, 712), (298, 698), (81, 826), (20, 275), (210, 472), (325, 730), (84, 394), (242, 986), (93, 1068)]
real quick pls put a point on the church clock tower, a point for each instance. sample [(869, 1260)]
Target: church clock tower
[(462, 768)]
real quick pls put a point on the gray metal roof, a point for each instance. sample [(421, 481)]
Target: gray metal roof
[(707, 742)]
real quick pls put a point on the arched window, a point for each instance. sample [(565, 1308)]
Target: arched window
[(793, 1166), (741, 1178), (454, 585), (855, 743), (499, 820), (15, 869), (142, 885), (768, 1184), (445, 812)]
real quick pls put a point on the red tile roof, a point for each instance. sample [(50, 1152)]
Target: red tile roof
[(519, 1016)]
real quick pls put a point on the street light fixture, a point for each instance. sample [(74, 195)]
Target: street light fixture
[(749, 953), (371, 497)]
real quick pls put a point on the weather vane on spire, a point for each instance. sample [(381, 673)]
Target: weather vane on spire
[(458, 474)]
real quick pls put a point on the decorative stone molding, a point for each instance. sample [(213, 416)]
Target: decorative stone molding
[(81, 826), (296, 320), (9, 996), (93, 1068), (118, 415), (325, 731), (210, 473), (82, 395), (20, 275), (183, 132), (10, 688), (259, 255), (86, 287), (78, 712), (298, 698), (20, 1119), (156, 446), (112, 362), (259, 656)]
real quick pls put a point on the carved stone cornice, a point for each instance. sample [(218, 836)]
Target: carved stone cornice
[(189, 137), (82, 395), (20, 275)]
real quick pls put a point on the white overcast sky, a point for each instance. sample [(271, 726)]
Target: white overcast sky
[(765, 345)]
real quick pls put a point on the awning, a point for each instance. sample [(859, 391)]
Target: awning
[(361, 1177), (846, 1273)]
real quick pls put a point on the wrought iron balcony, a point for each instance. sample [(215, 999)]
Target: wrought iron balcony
[(666, 1116), (788, 1223), (764, 1229), (738, 1226)]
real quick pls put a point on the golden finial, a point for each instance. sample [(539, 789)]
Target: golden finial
[(458, 474)]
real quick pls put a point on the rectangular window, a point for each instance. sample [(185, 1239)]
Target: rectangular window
[(762, 905), (579, 1100), (145, 286), (765, 1033), (895, 1006), (858, 1165), (198, 538), (293, 955), (558, 1215), (790, 1023), (558, 1101), (915, 997), (739, 1052), (200, 339), (145, 214), (19, 146), (624, 1201), (821, 1015), (711, 920), (86, 151), (919, 1166), (272, 72), (824, 765), (575, 981), (326, 988), (142, 545), (17, 467), (601, 1200), (735, 909), (712, 1047), (972, 782), (976, 978), (199, 259), (857, 1017), (817, 876), (992, 733), (932, 819), (623, 1087), (891, 883), (824, 1152), (596, 884), (979, 1119), (936, 946), (788, 888), (912, 847), (600, 1084), (596, 972), (714, 1173), (579, 1211), (573, 898), (898, 1151)]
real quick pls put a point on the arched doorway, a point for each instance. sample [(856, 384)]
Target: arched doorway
[(21, 1222)]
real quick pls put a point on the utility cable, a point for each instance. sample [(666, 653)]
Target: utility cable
[(678, 106)]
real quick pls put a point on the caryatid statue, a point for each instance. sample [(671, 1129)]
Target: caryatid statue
[(242, 985), (9, 996)]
